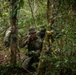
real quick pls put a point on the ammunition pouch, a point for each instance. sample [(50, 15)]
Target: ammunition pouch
[(34, 53)]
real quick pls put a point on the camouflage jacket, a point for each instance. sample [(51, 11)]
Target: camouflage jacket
[(33, 45)]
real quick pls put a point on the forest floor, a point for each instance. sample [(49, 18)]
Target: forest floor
[(4, 59)]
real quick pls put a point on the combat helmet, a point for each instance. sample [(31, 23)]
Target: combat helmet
[(32, 30)]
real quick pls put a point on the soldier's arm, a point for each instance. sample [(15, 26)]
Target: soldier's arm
[(25, 42)]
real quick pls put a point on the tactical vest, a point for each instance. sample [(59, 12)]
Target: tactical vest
[(35, 44)]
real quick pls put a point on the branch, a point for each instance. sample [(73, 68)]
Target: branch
[(32, 12)]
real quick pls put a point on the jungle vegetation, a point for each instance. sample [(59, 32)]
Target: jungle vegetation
[(53, 14)]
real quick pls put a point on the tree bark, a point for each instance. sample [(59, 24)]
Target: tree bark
[(33, 12), (48, 11), (44, 67), (13, 32)]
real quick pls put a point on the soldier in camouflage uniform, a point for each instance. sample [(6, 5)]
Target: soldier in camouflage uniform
[(42, 32), (34, 45)]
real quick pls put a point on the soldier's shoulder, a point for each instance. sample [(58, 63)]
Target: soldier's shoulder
[(39, 39)]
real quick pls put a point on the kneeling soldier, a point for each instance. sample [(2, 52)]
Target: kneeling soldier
[(34, 45)]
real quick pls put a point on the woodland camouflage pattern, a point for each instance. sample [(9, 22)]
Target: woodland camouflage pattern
[(34, 48)]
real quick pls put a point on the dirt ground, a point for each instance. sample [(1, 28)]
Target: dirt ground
[(5, 58)]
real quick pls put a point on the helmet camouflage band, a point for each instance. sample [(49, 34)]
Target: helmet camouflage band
[(32, 30)]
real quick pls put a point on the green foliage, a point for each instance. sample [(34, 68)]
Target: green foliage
[(21, 3), (65, 21), (4, 18), (8, 70)]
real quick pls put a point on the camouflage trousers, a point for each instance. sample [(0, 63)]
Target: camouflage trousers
[(29, 62), (26, 61)]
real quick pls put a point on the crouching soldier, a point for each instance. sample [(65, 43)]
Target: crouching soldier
[(34, 45)]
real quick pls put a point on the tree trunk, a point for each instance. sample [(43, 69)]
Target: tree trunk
[(45, 66), (14, 32), (33, 12), (48, 11)]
